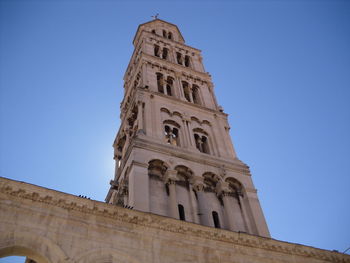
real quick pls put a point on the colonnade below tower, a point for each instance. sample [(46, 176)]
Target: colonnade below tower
[(185, 190)]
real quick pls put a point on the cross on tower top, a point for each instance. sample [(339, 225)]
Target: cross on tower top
[(155, 16)]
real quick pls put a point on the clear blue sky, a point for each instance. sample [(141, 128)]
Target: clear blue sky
[(281, 70)]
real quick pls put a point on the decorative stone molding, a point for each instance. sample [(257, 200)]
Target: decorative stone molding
[(170, 177), (19, 192)]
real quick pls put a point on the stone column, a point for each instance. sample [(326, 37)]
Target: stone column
[(179, 84), (190, 134), (228, 211), (144, 74), (194, 206), (223, 190), (198, 186), (191, 93), (140, 117), (170, 180), (184, 133), (244, 212)]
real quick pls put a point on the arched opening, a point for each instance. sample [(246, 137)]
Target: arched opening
[(171, 132), (21, 254), (164, 33), (179, 58), (153, 31), (181, 212), (169, 86), (216, 219), (160, 82), (195, 95), (156, 50), (201, 140), (165, 53), (170, 35), (187, 61)]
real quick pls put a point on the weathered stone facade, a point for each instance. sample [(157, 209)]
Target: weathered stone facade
[(173, 150), (51, 226)]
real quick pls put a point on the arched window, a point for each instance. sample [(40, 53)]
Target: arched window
[(216, 219), (169, 86), (171, 135), (153, 31), (187, 61), (170, 35), (165, 53), (201, 143), (156, 50), (181, 212), (186, 90), (164, 33), (160, 82), (179, 58), (195, 94)]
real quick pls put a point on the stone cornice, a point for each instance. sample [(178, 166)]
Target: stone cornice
[(190, 104), (174, 66), (17, 191), (147, 143)]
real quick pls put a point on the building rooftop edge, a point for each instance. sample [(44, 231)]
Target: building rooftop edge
[(36, 193)]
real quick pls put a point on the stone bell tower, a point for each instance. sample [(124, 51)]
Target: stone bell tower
[(173, 152)]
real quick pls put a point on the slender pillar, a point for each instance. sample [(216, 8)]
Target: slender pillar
[(198, 186), (195, 211), (185, 134), (140, 117), (173, 211), (244, 213), (189, 129), (170, 180), (223, 190), (180, 88), (228, 211)]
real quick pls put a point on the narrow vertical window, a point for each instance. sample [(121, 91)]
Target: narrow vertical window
[(160, 82), (171, 135), (179, 58), (169, 86), (195, 95), (181, 212), (164, 33), (153, 31), (165, 53), (187, 61), (216, 219), (201, 143), (156, 51), (170, 35)]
